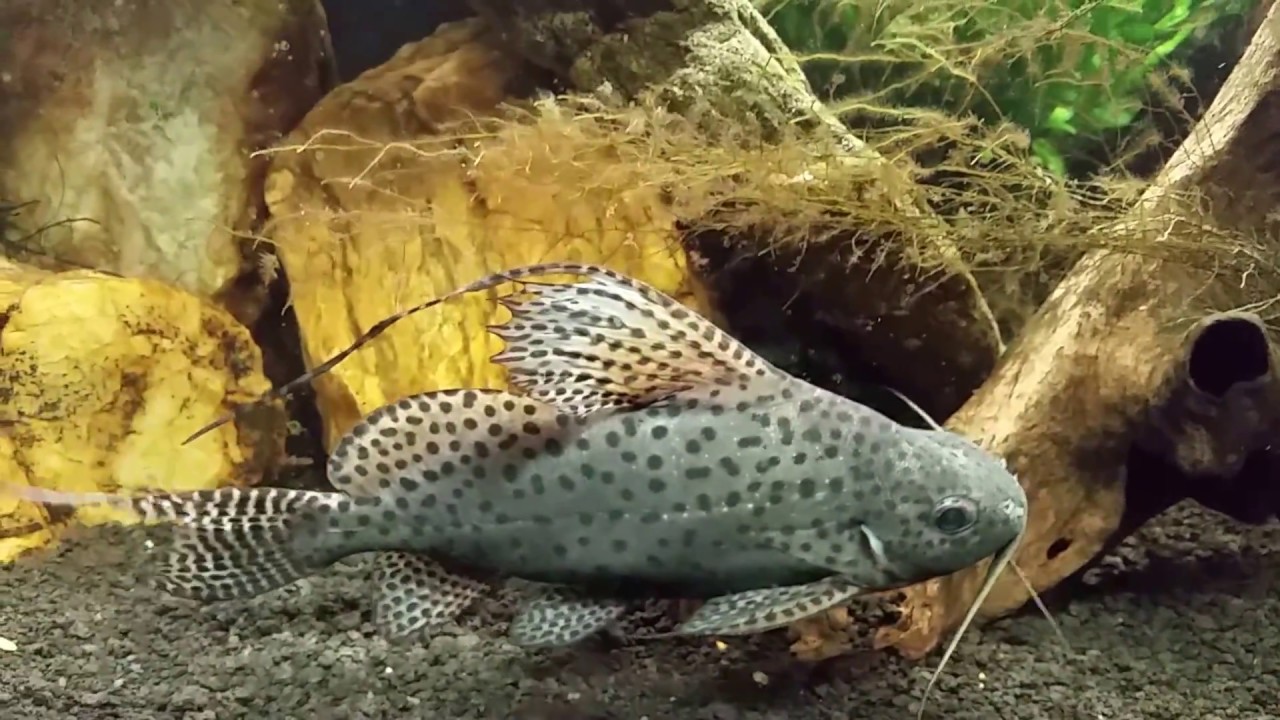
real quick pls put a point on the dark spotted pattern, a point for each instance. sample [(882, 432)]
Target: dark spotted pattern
[(643, 452), (555, 616)]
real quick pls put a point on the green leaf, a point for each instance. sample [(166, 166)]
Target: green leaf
[(1060, 120), (1049, 157), (1176, 16)]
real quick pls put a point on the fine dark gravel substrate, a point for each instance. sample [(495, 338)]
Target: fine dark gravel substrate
[(1183, 622)]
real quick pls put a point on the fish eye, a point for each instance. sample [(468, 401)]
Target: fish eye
[(955, 514)]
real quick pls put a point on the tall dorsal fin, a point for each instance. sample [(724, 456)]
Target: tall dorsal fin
[(703, 348), (612, 342)]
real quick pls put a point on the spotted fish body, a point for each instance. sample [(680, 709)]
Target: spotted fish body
[(703, 495), (644, 453)]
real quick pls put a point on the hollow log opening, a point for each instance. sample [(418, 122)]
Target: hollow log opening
[(1227, 352)]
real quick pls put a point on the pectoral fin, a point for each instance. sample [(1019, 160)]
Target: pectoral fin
[(756, 611)]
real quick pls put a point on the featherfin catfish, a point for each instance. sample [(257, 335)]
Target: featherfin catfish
[(642, 453)]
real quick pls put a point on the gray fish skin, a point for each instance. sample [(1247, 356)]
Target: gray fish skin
[(699, 496), (644, 453)]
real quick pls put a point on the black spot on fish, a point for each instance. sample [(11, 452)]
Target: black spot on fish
[(698, 473), (409, 484), (731, 467), (654, 462), (751, 441), (612, 439), (733, 499), (768, 464), (693, 446), (657, 485), (658, 432)]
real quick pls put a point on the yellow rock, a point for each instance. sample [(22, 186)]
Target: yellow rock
[(366, 221), (102, 377)]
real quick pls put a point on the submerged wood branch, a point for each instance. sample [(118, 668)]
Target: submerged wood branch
[(1129, 391), (719, 61)]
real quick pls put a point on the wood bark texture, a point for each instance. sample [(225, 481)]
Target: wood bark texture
[(1135, 386)]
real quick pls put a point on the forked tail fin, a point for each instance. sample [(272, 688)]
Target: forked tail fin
[(229, 543)]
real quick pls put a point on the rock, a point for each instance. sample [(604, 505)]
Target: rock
[(380, 213), (100, 379), (136, 118)]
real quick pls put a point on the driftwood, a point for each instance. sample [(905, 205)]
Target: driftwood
[(1132, 388), (720, 61)]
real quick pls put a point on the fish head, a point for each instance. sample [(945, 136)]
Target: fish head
[(949, 505)]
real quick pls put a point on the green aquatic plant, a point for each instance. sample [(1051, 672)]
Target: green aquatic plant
[(1069, 72)]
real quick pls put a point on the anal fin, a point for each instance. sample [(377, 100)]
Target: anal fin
[(414, 592), (764, 609), (556, 616)]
